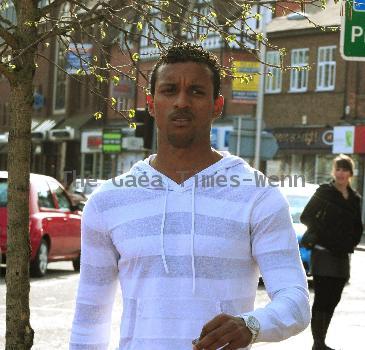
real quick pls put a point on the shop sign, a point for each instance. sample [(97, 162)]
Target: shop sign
[(303, 138), (343, 139), (132, 143), (112, 140), (359, 139), (91, 141), (219, 137), (243, 90)]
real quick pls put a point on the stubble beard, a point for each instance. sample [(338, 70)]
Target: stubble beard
[(180, 141)]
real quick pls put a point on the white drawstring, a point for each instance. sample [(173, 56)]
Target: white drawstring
[(162, 230), (192, 233)]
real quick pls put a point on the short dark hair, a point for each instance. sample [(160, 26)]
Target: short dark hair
[(186, 52), (344, 162)]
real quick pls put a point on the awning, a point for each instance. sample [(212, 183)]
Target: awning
[(75, 122), (40, 128)]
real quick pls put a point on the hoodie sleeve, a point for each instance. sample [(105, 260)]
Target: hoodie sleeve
[(275, 249), (97, 285)]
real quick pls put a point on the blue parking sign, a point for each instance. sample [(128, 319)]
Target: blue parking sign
[(359, 5)]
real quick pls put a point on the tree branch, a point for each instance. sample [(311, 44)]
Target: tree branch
[(8, 38)]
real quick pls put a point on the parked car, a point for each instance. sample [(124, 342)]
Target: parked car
[(54, 223), (298, 197)]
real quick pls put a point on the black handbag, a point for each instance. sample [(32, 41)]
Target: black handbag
[(309, 239)]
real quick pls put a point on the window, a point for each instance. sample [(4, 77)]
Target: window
[(123, 104), (45, 199), (299, 77), (59, 85), (62, 199), (326, 70), (273, 80)]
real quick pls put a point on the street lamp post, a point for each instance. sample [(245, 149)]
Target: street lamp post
[(260, 95)]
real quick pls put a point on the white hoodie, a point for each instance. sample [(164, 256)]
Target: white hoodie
[(184, 254)]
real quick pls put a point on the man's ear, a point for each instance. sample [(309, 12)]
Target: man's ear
[(218, 106), (150, 105)]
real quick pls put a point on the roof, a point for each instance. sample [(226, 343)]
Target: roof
[(331, 16)]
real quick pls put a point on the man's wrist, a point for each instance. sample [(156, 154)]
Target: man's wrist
[(253, 326)]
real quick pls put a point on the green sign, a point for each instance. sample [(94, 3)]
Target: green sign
[(112, 140), (353, 31)]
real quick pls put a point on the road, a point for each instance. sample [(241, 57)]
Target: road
[(52, 306)]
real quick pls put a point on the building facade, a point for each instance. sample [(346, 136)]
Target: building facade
[(302, 106)]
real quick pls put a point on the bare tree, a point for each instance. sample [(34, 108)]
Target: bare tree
[(74, 22)]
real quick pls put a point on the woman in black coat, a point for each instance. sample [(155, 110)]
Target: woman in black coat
[(333, 218)]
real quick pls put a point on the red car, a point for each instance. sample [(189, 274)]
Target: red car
[(54, 223)]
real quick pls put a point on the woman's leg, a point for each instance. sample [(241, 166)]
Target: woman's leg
[(327, 294)]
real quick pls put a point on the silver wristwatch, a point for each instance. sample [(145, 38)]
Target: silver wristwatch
[(253, 325)]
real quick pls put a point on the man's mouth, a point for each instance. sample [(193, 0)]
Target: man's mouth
[(181, 120)]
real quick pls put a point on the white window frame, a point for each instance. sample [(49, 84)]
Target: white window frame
[(326, 65), (273, 83), (299, 79)]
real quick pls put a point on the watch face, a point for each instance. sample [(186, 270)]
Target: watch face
[(253, 323)]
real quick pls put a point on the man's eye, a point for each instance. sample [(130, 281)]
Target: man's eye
[(168, 90), (198, 92)]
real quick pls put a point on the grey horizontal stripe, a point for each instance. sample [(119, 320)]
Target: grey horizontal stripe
[(95, 238), (91, 314), (179, 223), (180, 266), (283, 259), (98, 275), (278, 221), (241, 194), (124, 197), (235, 306), (155, 344), (88, 346)]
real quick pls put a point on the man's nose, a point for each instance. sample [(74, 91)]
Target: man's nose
[(182, 100)]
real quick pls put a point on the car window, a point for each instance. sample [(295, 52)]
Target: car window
[(45, 199), (62, 199), (3, 193)]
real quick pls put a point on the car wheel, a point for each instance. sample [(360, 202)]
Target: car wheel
[(38, 267), (76, 264)]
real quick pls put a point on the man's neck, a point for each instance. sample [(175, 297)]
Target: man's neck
[(179, 164)]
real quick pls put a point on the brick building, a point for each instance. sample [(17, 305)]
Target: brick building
[(302, 107)]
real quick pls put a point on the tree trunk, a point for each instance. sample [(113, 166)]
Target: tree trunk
[(19, 334)]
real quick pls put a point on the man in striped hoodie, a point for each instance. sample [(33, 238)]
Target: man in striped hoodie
[(188, 255)]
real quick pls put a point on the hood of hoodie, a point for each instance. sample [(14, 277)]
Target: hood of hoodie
[(223, 166)]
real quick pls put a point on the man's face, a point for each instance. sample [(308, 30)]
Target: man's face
[(183, 105)]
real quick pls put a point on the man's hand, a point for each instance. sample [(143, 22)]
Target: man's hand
[(224, 330)]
